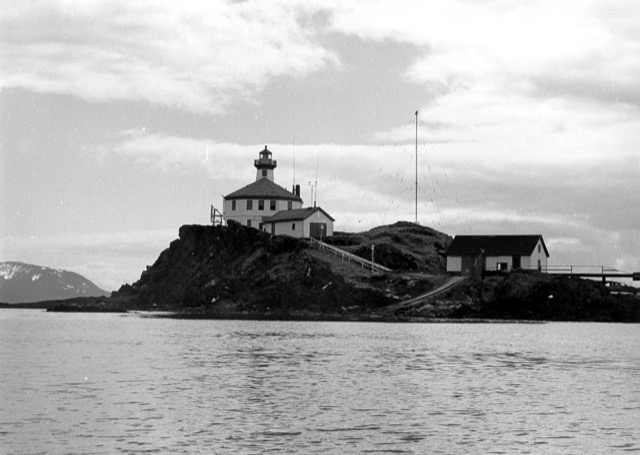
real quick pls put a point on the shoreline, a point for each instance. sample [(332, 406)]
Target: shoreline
[(301, 318)]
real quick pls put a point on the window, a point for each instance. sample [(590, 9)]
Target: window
[(289, 205), (233, 205), (539, 248), (249, 204), (503, 266), (272, 205), (261, 204), (248, 223), (264, 172), (293, 226)]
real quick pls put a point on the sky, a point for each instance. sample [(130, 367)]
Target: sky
[(121, 121)]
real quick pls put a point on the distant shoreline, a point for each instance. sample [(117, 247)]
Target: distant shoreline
[(274, 317), (287, 317)]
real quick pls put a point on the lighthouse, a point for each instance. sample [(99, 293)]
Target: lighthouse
[(262, 198), (267, 206), (265, 165)]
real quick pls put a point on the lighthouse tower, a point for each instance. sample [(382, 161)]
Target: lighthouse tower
[(265, 165), (267, 206)]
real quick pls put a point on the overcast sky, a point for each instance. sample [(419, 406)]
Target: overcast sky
[(122, 121)]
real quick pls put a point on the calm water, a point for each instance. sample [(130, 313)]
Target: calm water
[(83, 383)]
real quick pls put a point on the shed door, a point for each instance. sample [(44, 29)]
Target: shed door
[(318, 230), (472, 265), (467, 265)]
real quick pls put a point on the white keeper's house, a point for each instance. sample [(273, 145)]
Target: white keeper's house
[(271, 208), (476, 254)]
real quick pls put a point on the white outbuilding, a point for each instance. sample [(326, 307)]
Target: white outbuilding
[(303, 223), (476, 254)]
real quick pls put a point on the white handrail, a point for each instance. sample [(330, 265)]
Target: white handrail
[(349, 256)]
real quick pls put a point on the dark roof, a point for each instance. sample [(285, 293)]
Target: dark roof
[(495, 245), (263, 189), (294, 215)]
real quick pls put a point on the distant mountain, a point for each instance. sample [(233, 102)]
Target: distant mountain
[(24, 283)]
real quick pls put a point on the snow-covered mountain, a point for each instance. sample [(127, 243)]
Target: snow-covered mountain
[(25, 283)]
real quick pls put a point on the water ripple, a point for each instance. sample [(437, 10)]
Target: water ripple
[(107, 384)]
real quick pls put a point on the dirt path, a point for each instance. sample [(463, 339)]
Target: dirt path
[(449, 284)]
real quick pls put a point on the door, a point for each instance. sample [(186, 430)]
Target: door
[(467, 265), (473, 265), (318, 230), (517, 262)]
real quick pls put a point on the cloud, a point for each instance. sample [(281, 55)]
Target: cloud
[(466, 185), (194, 56), (507, 70), (515, 46), (206, 56), (174, 154)]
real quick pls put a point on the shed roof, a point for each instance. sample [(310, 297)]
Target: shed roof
[(495, 245), (263, 189), (294, 215)]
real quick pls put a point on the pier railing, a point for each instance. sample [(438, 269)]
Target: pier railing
[(579, 269), (592, 271), (583, 271), (350, 257)]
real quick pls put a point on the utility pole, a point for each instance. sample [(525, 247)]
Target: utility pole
[(373, 247)]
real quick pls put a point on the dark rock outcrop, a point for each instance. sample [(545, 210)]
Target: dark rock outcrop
[(400, 246), (536, 296), (239, 270)]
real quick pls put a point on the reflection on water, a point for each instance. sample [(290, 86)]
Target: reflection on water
[(124, 384)]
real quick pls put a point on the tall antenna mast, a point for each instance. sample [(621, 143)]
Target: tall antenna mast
[(416, 167), (293, 147), (316, 182)]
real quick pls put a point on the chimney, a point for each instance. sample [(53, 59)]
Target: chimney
[(298, 190)]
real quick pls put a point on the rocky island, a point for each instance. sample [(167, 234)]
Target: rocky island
[(239, 272)]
